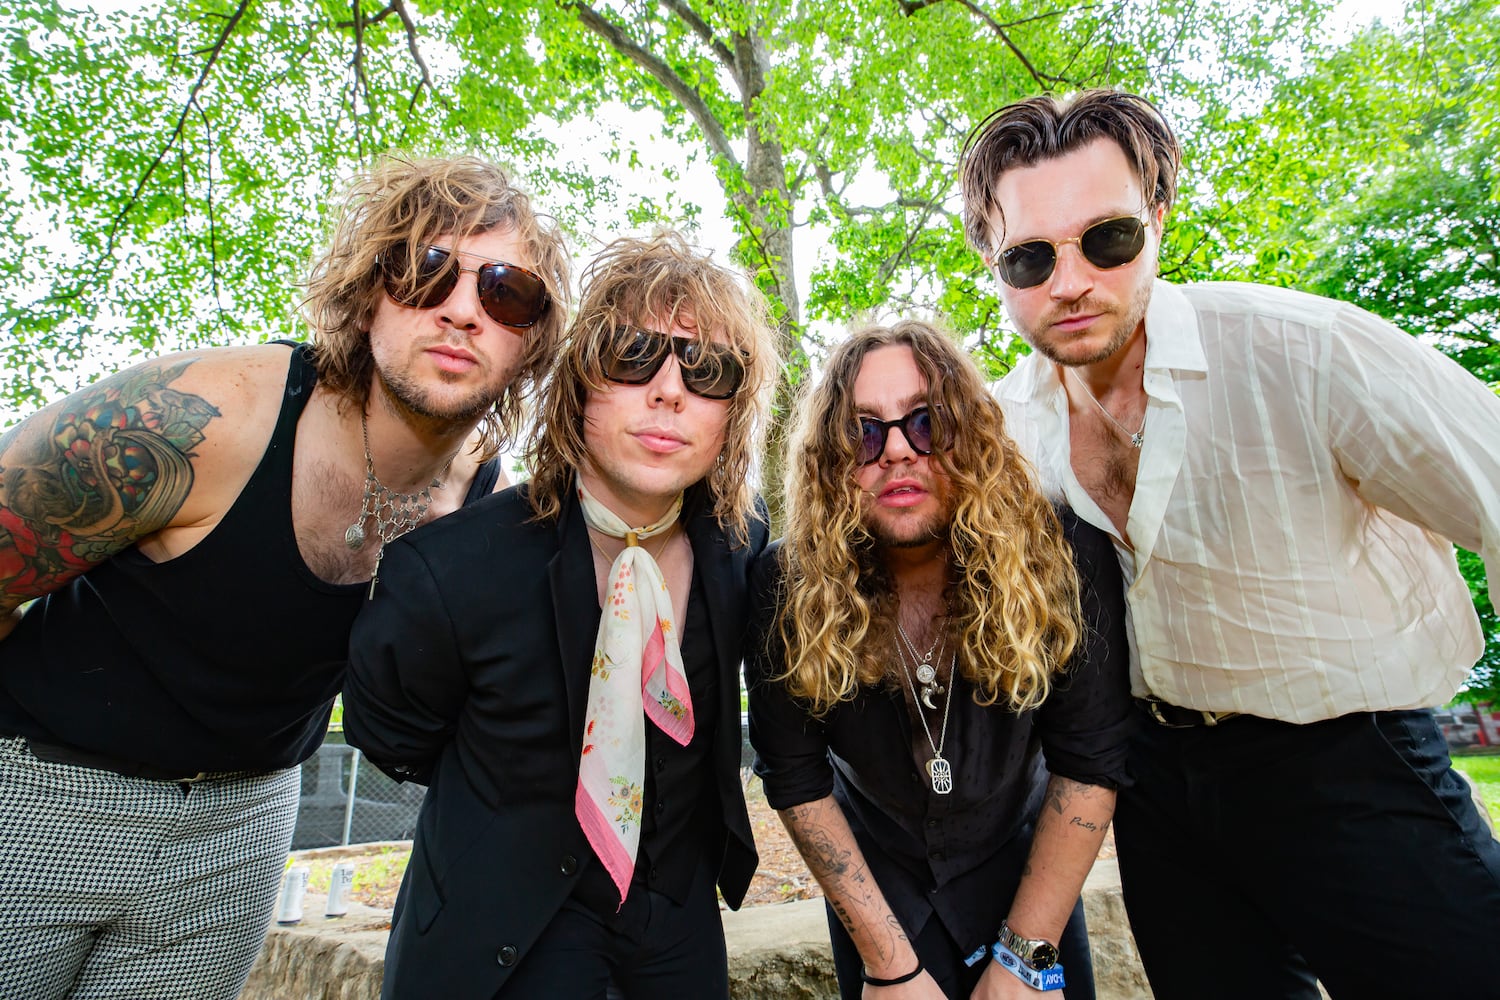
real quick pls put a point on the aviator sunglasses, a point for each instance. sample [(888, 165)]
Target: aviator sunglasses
[(510, 294), (1106, 245), (633, 357), (916, 427)]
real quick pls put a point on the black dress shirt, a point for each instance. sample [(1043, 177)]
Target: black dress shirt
[(959, 855)]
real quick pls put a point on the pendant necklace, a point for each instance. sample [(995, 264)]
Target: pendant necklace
[(394, 513), (926, 672), (939, 770), (1137, 438)]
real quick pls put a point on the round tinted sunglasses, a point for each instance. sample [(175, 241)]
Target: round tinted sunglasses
[(510, 294), (916, 427), (633, 357), (1108, 244)]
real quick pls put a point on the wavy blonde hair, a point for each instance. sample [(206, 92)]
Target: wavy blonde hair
[(398, 206), (657, 281), (1013, 597)]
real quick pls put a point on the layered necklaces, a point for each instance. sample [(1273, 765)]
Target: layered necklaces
[(394, 513), (1137, 438), (939, 770)]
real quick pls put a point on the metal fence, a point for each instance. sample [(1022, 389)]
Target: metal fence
[(347, 801)]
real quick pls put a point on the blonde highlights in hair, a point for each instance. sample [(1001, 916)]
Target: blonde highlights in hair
[(1013, 605), (657, 282), (402, 204)]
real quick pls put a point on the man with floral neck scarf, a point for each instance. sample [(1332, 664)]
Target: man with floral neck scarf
[(561, 663)]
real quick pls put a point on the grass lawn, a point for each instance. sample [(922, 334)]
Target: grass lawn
[(1484, 772)]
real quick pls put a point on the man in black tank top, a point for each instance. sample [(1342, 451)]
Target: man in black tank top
[(198, 533), (584, 763)]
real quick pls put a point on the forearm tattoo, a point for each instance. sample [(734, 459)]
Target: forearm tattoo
[(844, 879), (111, 466)]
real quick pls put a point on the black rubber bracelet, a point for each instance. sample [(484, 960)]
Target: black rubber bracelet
[(870, 980)]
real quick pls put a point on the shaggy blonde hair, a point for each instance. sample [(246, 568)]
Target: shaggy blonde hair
[(400, 205), (657, 282), (1013, 597)]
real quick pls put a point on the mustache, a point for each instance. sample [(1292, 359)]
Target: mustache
[(1087, 304)]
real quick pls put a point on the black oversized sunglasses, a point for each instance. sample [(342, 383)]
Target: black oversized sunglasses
[(633, 357), (1108, 244), (916, 427), (510, 294)]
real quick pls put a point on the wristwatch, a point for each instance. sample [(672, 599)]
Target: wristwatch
[(1037, 953)]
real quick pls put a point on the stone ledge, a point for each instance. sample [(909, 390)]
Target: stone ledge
[(776, 952)]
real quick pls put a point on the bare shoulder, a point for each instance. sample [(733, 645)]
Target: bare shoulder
[(149, 447), (466, 466)]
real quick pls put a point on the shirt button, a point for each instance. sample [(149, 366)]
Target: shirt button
[(935, 855), (660, 806), (661, 764), (507, 956), (932, 824), (654, 874), (569, 864)]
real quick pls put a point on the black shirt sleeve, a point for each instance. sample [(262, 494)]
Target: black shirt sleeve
[(1086, 722), (791, 750), (406, 685)]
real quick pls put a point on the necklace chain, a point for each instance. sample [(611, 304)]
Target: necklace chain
[(939, 770), (394, 513), (912, 647), (1137, 438), (665, 538)]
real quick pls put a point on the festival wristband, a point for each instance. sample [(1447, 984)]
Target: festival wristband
[(1045, 979), (870, 980)]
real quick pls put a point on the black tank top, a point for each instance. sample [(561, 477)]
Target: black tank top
[(224, 658)]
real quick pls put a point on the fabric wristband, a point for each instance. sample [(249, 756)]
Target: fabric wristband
[(870, 980), (1037, 979)]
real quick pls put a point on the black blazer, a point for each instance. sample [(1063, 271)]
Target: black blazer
[(470, 671)]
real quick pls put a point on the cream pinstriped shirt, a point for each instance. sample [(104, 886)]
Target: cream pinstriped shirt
[(1305, 466)]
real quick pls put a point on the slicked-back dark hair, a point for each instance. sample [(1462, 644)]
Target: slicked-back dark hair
[(1029, 132)]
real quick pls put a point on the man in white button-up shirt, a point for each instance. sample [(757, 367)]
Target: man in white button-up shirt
[(1282, 476)]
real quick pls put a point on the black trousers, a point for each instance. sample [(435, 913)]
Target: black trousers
[(652, 948), (944, 959), (1257, 855)]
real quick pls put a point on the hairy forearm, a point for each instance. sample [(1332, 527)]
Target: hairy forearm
[(827, 844), (1069, 830)]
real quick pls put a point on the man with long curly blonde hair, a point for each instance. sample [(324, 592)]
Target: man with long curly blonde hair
[(561, 662), (928, 629), (201, 531)]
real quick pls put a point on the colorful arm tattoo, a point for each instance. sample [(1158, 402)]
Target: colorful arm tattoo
[(112, 467)]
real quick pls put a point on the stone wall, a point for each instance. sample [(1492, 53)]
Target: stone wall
[(776, 952)]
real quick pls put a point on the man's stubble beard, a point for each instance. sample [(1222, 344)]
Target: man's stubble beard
[(412, 399), (1130, 321)]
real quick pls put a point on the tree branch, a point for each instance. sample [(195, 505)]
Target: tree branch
[(1044, 80), (705, 34), (399, 6), (188, 104), (688, 97)]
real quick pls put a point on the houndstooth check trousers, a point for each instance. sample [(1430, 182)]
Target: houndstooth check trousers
[(119, 888)]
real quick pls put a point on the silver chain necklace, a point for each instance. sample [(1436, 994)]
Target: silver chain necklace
[(940, 771), (1137, 438), (395, 513), (926, 672)]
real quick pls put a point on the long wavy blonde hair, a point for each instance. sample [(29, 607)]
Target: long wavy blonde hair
[(659, 280), (406, 203), (1013, 594)]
